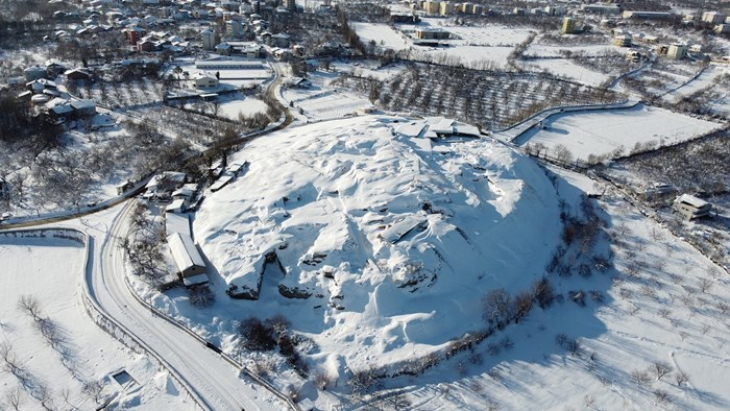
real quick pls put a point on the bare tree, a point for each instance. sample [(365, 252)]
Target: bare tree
[(562, 154), (640, 378), (30, 305), (94, 390), (681, 378), (705, 285), (497, 307), (322, 379), (14, 398), (661, 396), (660, 369)]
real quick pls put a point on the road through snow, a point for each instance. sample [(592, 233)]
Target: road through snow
[(215, 380)]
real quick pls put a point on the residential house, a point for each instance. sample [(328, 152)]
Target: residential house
[(623, 40), (190, 265), (78, 74), (38, 86), (713, 17), (83, 108), (432, 34), (59, 110), (677, 51), (281, 40), (568, 25), (124, 186), (691, 207), (34, 73), (205, 80), (208, 38)]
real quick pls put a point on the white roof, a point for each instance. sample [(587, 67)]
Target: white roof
[(444, 126), (204, 76), (183, 191), (80, 104), (184, 252), (177, 223), (176, 204), (692, 200)]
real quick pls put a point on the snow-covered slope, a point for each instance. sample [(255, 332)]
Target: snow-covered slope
[(388, 240)]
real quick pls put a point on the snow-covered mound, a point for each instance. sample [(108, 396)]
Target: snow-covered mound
[(374, 239)]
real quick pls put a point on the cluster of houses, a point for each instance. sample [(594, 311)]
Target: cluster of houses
[(175, 188), (39, 88), (182, 195)]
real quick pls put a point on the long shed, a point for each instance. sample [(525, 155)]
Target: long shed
[(190, 265)]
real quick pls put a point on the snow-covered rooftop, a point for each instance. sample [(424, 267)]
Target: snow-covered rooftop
[(184, 252)]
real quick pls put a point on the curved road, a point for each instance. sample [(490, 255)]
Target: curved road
[(214, 379)]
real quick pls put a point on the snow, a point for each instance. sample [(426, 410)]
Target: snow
[(51, 269), (248, 107), (471, 56), (382, 34), (326, 195), (544, 50), (184, 252), (602, 132), (491, 35), (706, 79), (177, 223), (566, 68)]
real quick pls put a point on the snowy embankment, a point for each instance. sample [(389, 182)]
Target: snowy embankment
[(386, 239), (63, 354), (657, 340)]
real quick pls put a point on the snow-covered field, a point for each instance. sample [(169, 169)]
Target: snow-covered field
[(566, 68), (51, 271), (323, 100), (601, 133), (477, 57), (247, 107), (382, 34), (492, 35), (381, 230), (545, 50)]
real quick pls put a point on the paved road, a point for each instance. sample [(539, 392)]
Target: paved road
[(215, 380)]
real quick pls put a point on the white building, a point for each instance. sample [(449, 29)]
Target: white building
[(208, 38), (190, 265), (713, 17), (205, 80), (691, 207), (234, 28), (677, 51)]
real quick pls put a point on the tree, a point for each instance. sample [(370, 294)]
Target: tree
[(94, 390), (14, 398), (562, 154), (496, 307), (681, 378), (375, 89), (256, 336), (30, 305), (660, 369), (640, 378), (201, 296)]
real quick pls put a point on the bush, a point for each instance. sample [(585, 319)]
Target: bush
[(543, 292), (201, 296), (256, 335)]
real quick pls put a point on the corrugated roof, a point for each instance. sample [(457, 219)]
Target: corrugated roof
[(184, 252)]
